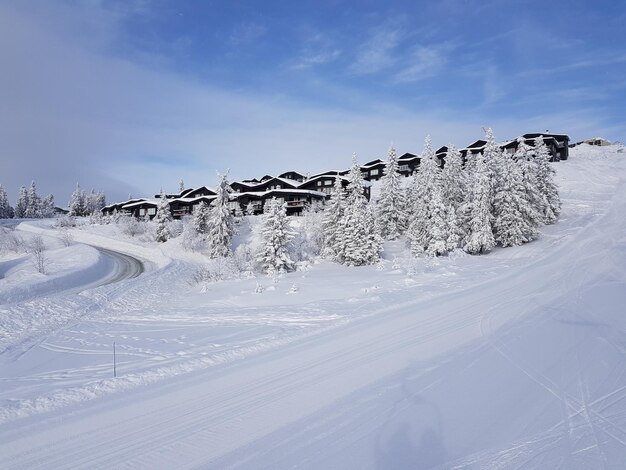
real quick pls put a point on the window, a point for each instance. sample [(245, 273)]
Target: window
[(403, 168), (151, 210), (328, 182), (374, 172), (319, 182), (142, 212)]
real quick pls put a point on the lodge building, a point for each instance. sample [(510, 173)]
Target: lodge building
[(298, 190)]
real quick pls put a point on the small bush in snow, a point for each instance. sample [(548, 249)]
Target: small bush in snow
[(37, 247), (65, 221), (131, 226), (215, 270), (66, 237), (10, 241)]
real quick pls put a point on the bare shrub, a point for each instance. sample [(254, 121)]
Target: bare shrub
[(65, 221), (11, 241), (66, 238), (131, 226), (37, 247)]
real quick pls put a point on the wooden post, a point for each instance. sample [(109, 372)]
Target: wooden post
[(114, 361)]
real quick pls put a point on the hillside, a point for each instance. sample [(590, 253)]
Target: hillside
[(510, 360)]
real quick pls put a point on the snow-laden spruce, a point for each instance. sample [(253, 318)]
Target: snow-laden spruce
[(426, 182), (545, 183), (391, 205), (361, 244), (480, 238), (453, 180), (515, 219), (33, 209), (200, 220), (77, 204), (220, 223), (21, 206), (332, 223), (162, 219), (273, 256), (6, 211)]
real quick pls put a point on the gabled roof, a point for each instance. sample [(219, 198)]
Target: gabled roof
[(186, 192), (124, 202), (282, 175), (477, 145), (376, 162), (443, 149), (407, 156), (144, 202)]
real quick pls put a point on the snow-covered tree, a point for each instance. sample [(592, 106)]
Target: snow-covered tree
[(200, 220), (527, 171), (6, 211), (426, 182), (332, 226), (77, 203), (249, 208), (33, 209), (273, 255), (361, 244), (438, 226), (94, 202), (22, 203), (47, 206), (480, 238), (515, 219), (163, 218), (181, 186), (391, 206), (546, 185), (221, 223), (453, 179)]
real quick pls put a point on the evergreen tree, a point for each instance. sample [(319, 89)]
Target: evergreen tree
[(249, 208), (515, 221), (390, 209), (274, 254), (332, 227), (454, 231), (47, 206), (6, 211), (200, 221), (221, 226), (181, 186), (480, 238), (77, 204), (427, 181), (163, 218), (545, 181), (22, 203), (438, 236), (527, 171), (33, 209), (361, 244), (452, 177)]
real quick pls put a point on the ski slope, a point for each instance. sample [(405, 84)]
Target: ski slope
[(511, 360)]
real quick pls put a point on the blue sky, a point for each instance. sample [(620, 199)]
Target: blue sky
[(131, 96)]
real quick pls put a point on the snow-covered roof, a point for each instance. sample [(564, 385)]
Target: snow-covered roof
[(149, 202), (193, 199), (123, 203), (280, 191)]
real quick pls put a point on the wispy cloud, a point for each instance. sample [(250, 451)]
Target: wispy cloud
[(377, 53), (424, 62), (318, 49)]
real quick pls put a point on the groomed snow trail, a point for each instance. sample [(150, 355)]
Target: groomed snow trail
[(525, 371)]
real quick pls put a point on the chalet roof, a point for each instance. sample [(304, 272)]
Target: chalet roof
[(534, 135), (282, 175), (407, 156), (376, 162), (330, 173), (323, 176), (145, 202), (477, 145), (194, 199), (123, 203), (443, 149), (266, 178), (261, 194)]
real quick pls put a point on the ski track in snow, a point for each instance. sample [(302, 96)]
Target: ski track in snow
[(511, 360)]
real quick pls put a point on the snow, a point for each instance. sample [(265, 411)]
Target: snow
[(510, 360)]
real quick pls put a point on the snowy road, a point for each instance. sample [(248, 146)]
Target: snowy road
[(126, 266), (524, 370)]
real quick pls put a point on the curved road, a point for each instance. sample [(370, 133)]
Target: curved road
[(127, 266)]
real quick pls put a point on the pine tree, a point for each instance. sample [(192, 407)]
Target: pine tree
[(33, 209), (181, 186), (527, 171), (77, 204), (452, 177), (274, 254), (361, 244), (480, 238), (47, 206), (163, 218), (546, 185), (332, 227), (6, 211), (438, 236), (390, 208), (515, 222), (200, 221), (22, 203), (425, 183), (221, 224)]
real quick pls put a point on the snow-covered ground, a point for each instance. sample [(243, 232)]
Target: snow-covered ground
[(511, 360)]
